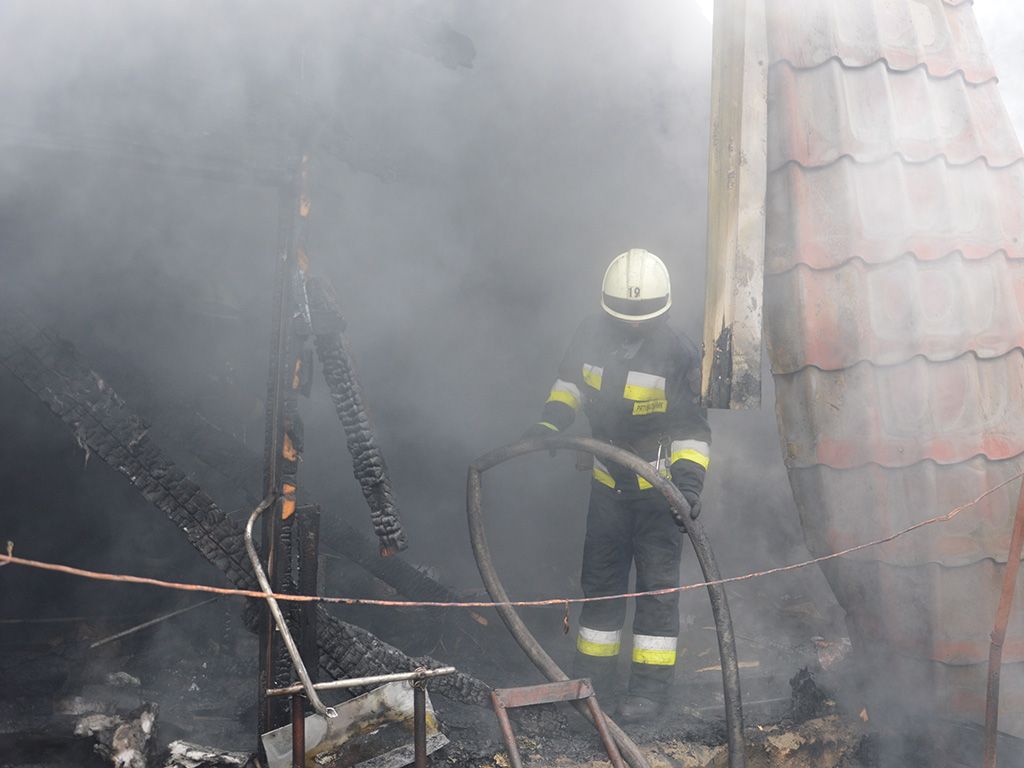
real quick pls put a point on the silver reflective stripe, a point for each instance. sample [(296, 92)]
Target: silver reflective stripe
[(565, 392), (592, 375), (696, 451), (562, 385), (654, 642), (600, 636), (692, 445), (645, 380)]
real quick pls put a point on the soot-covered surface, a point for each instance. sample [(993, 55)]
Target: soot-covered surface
[(199, 668)]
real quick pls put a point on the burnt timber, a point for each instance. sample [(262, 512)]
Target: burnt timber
[(104, 426)]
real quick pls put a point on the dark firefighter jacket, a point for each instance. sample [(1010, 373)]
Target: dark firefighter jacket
[(641, 393)]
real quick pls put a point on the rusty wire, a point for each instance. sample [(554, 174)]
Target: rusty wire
[(559, 601)]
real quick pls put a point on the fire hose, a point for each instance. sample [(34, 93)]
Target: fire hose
[(701, 546)]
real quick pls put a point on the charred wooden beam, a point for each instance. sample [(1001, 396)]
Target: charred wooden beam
[(220, 460), (104, 426), (367, 460)]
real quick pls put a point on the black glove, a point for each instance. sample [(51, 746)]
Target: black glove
[(694, 502), (689, 479)]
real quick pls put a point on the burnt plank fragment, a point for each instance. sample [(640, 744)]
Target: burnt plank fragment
[(368, 462)]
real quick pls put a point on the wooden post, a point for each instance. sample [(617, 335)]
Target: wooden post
[(737, 183)]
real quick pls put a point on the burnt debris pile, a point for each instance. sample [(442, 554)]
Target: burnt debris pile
[(104, 425)]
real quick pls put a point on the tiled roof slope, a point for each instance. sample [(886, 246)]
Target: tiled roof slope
[(893, 235), (890, 313), (880, 113), (894, 308), (941, 37)]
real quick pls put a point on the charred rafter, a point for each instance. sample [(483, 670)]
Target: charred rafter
[(367, 460)]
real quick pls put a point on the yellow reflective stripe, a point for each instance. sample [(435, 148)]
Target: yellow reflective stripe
[(604, 478), (656, 657), (602, 475), (662, 470), (644, 386), (636, 392), (560, 396), (696, 451), (647, 407), (691, 455), (654, 649), (592, 375), (565, 392), (548, 424), (589, 648)]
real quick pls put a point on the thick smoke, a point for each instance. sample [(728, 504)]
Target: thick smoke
[(475, 167)]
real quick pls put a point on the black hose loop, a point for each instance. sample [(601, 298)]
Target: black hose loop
[(701, 547)]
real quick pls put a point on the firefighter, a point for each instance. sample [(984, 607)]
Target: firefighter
[(639, 385)]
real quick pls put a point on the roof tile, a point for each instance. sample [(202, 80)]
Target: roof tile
[(938, 36), (841, 509), (877, 212), (819, 115), (899, 415), (891, 312)]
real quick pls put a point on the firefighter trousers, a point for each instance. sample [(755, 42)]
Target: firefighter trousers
[(622, 531)]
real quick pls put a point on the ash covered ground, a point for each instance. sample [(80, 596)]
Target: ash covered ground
[(200, 670)]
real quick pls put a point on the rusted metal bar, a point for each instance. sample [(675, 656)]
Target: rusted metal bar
[(419, 722), (367, 682), (504, 699), (601, 723), (737, 184), (544, 693), (509, 736), (995, 653), (298, 732)]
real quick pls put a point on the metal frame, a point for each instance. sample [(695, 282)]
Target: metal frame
[(504, 699), (309, 690), (275, 612)]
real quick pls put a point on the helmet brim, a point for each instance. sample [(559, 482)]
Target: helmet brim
[(635, 310)]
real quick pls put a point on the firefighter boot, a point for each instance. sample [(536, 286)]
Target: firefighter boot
[(600, 670), (649, 682), (639, 710)]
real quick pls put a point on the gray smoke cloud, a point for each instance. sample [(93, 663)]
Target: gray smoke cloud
[(476, 165)]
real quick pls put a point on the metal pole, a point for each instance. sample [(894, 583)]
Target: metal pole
[(275, 612), (298, 732), (602, 729), (419, 714), (995, 653), (366, 682)]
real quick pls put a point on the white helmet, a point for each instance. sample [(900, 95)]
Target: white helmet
[(636, 286)]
